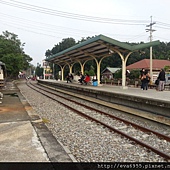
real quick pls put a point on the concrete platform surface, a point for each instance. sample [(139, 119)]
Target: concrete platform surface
[(23, 135)]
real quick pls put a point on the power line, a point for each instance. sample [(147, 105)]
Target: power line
[(48, 11), (137, 36), (163, 27), (40, 26), (20, 20), (162, 38), (163, 24), (12, 25), (49, 27), (72, 15)]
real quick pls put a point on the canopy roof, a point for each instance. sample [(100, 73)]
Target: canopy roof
[(98, 47)]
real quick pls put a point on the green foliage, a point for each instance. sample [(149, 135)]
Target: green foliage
[(66, 43), (134, 74), (167, 68), (39, 71), (118, 74), (12, 54), (26, 61), (90, 72), (13, 64)]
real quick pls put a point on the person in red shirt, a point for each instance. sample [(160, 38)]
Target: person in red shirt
[(86, 79)]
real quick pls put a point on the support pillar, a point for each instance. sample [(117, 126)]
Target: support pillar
[(124, 75), (62, 74)]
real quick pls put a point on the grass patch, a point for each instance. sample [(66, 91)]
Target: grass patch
[(45, 120), (12, 94)]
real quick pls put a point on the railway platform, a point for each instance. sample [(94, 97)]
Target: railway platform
[(24, 136), (131, 91)]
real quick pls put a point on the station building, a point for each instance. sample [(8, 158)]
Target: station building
[(156, 67)]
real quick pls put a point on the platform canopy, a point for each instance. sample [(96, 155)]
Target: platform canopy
[(98, 46)]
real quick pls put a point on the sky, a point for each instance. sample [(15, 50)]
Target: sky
[(42, 24)]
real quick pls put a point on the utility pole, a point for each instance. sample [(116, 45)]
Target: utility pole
[(150, 30)]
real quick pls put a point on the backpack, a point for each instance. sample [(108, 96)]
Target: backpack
[(147, 78), (157, 82)]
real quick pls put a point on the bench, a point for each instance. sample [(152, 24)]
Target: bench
[(152, 86), (167, 87), (88, 83)]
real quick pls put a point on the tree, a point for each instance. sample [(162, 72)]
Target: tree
[(26, 61), (12, 54), (167, 68), (66, 43), (39, 70)]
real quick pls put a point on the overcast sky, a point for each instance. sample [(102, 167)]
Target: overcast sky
[(41, 24)]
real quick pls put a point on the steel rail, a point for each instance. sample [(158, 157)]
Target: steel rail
[(164, 155), (144, 129)]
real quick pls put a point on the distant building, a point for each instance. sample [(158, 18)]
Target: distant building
[(108, 72), (47, 70), (145, 63)]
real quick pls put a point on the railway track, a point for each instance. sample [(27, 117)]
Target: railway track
[(127, 129)]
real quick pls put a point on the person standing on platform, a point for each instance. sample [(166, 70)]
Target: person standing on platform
[(145, 80), (141, 77), (161, 78)]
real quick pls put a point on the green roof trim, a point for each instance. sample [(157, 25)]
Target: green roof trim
[(145, 45), (111, 41)]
